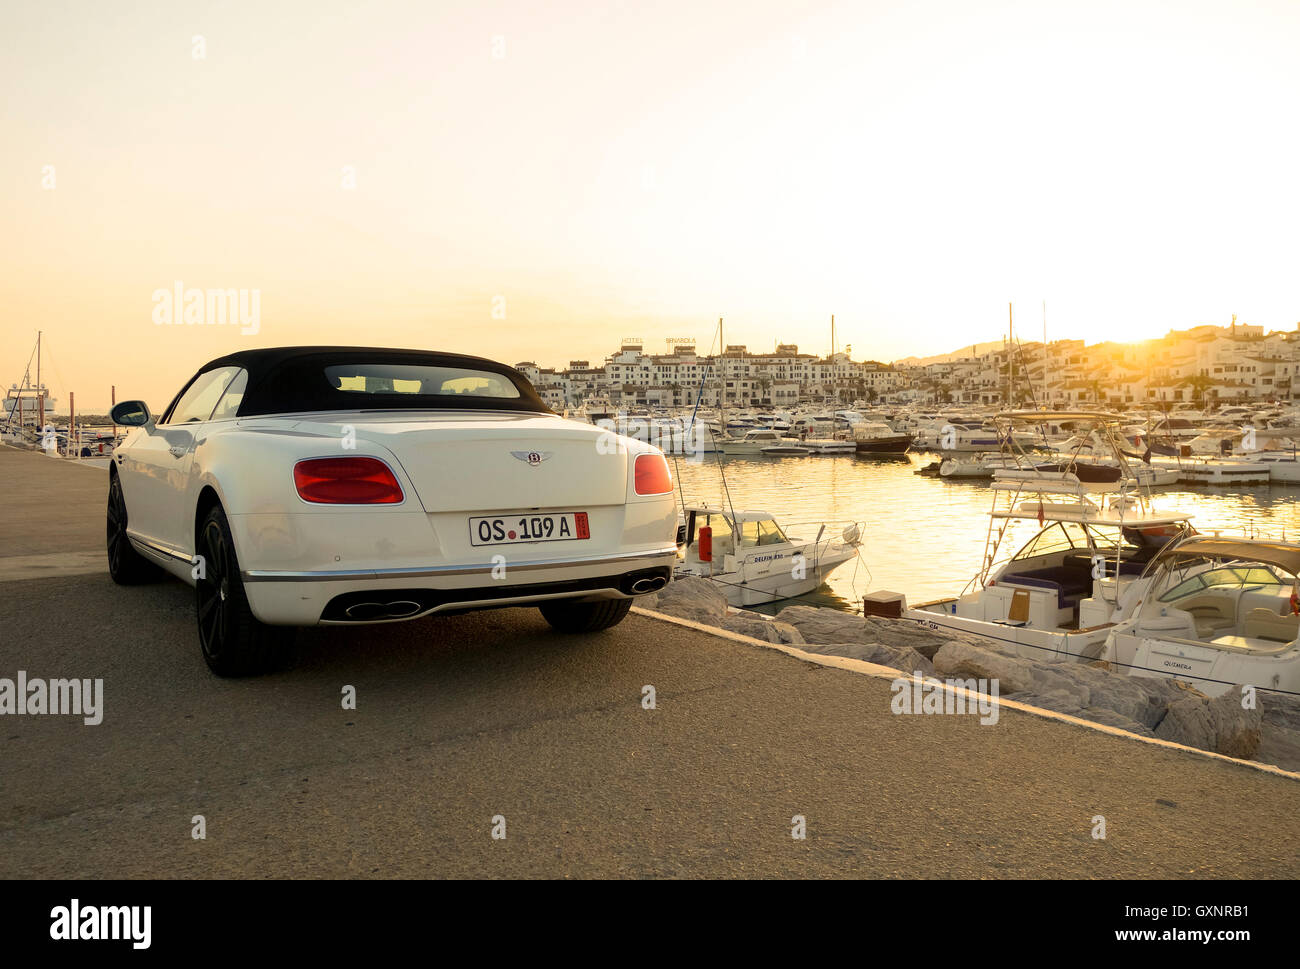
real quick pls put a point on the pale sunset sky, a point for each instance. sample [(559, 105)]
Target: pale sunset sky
[(602, 170)]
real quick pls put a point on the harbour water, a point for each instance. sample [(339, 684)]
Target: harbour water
[(925, 536)]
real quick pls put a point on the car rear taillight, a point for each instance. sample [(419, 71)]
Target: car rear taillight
[(651, 475), (346, 481)]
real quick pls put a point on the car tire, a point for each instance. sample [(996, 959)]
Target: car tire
[(585, 617), (126, 566), (234, 641)]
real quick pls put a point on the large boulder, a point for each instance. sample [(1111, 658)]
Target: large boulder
[(831, 626), (1077, 688), (1279, 709), (962, 660), (690, 597), (1221, 724), (904, 632), (1140, 699), (904, 659), (702, 601), (770, 631), (1280, 747), (827, 625), (1280, 742)]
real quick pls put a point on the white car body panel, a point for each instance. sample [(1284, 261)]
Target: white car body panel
[(296, 556)]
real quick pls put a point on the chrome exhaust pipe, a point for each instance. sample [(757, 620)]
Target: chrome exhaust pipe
[(653, 584), (370, 611)]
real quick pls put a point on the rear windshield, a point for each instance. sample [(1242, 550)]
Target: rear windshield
[(375, 380), (396, 378)]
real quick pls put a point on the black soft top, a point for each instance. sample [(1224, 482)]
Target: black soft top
[(286, 380)]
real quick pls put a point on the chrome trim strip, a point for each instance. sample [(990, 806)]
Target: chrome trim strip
[(264, 575), (158, 549)]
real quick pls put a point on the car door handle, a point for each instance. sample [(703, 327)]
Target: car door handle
[(177, 452)]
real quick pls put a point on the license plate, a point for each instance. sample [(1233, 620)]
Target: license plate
[(526, 529)]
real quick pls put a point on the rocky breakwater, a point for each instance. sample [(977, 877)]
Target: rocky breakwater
[(1154, 707)]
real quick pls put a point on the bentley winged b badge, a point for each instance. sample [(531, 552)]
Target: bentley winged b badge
[(532, 458)]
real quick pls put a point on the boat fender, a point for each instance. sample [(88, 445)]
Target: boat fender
[(705, 544)]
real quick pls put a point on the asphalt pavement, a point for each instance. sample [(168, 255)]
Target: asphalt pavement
[(491, 723)]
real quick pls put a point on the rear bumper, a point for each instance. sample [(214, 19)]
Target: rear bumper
[(391, 595)]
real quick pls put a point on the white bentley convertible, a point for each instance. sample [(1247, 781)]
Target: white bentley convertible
[(310, 485)]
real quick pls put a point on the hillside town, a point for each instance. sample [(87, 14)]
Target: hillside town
[(1207, 365)]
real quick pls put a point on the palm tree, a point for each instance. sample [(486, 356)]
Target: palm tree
[(1199, 384), (1098, 389)]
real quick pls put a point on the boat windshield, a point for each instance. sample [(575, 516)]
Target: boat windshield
[(757, 533), (1247, 577), (1104, 540), (721, 529)]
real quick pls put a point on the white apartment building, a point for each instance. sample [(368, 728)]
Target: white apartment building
[(1205, 363)]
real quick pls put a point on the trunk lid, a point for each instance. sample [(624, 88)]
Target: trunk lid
[(487, 462)]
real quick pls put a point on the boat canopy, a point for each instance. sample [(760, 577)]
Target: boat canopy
[(1282, 554), (1085, 512), (738, 516)]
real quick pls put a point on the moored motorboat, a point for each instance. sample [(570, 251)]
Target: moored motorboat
[(754, 442), (1283, 466), (1056, 598), (877, 437), (980, 466), (751, 558), (1219, 613), (828, 446), (1216, 471)]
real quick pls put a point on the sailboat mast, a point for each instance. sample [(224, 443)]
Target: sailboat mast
[(722, 382), (40, 392), (1044, 353), (1010, 342)]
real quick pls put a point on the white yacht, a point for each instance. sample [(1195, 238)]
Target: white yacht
[(751, 558), (1058, 596), (754, 442), (1216, 471), (1150, 476), (1283, 466), (979, 465), (1219, 613)]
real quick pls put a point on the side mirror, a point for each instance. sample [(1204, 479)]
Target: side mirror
[(131, 413)]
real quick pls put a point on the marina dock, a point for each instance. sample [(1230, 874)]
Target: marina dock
[(463, 720)]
